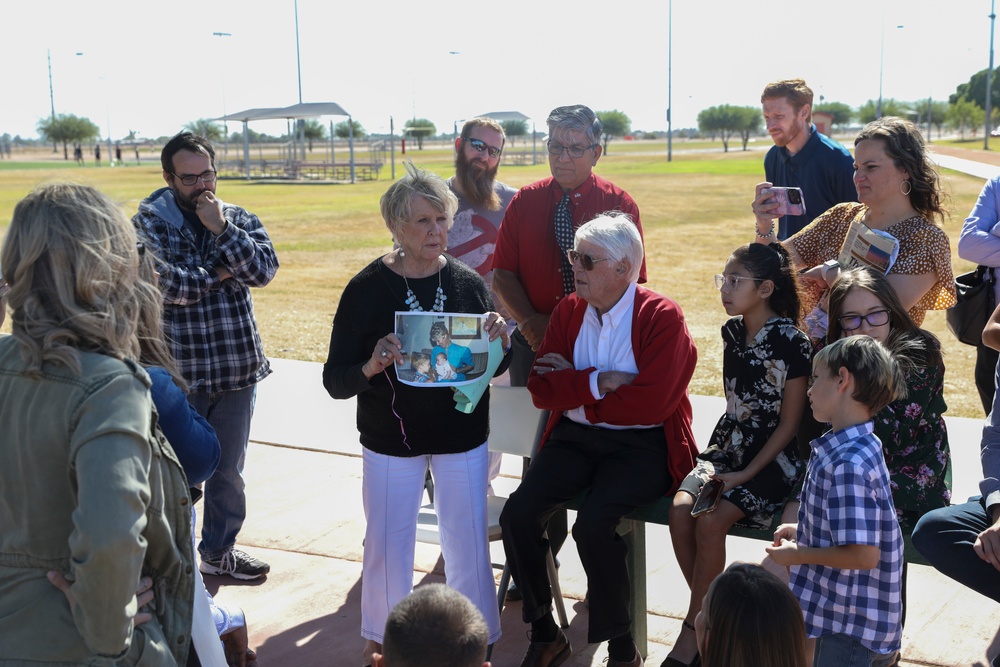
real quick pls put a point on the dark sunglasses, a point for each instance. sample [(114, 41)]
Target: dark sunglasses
[(585, 260), (480, 146)]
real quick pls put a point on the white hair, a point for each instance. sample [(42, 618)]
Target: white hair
[(616, 234)]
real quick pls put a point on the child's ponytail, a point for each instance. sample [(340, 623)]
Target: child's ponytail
[(772, 262)]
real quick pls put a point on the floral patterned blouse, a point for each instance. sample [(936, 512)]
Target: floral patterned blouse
[(754, 377), (923, 248), (915, 445)]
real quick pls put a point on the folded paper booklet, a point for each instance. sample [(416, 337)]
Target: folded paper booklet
[(869, 247)]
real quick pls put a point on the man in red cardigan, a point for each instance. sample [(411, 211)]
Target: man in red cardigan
[(613, 368)]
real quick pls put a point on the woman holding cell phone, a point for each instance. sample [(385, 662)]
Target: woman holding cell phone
[(899, 193)]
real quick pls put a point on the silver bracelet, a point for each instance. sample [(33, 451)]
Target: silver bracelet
[(769, 231)]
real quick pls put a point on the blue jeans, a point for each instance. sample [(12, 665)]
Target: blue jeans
[(945, 537), (845, 651), (229, 413)]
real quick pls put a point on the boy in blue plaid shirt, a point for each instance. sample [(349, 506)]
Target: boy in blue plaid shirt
[(846, 552)]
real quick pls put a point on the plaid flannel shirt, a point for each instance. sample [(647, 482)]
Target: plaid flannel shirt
[(210, 323), (846, 500)]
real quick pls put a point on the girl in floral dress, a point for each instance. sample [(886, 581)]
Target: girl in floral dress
[(766, 364), (912, 430)]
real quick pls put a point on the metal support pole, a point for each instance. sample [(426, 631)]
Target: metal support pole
[(989, 82)]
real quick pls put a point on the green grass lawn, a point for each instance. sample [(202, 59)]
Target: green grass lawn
[(695, 211)]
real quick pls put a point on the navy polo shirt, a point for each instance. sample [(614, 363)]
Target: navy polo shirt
[(823, 169)]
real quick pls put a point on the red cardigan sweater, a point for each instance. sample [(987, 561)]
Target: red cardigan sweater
[(665, 355)]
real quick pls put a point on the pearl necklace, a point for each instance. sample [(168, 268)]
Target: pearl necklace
[(411, 298)]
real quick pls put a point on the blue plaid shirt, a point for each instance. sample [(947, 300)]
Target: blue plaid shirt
[(209, 323), (846, 500)]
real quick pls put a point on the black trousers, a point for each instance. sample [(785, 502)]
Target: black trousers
[(986, 369), (522, 359), (623, 470)]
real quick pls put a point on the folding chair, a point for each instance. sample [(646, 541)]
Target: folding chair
[(516, 427)]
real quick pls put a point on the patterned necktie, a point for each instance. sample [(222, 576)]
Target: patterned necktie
[(564, 237)]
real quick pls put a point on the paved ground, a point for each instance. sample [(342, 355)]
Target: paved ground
[(305, 518), (304, 494)]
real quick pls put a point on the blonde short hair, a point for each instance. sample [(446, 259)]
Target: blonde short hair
[(397, 202)]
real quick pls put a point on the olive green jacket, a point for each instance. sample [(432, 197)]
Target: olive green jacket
[(89, 487)]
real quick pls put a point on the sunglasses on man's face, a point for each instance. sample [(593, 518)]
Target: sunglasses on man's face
[(587, 261), (481, 146)]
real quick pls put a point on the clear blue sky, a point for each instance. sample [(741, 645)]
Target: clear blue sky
[(153, 66)]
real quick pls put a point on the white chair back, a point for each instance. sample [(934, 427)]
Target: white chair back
[(515, 423)]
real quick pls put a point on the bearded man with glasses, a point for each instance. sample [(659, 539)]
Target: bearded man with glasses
[(482, 199), (209, 254), (482, 202)]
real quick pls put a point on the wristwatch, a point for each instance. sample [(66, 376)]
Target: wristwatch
[(828, 265)]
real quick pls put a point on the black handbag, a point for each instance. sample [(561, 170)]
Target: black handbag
[(967, 318)]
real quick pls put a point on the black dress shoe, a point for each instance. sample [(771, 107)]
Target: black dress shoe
[(674, 662), (548, 654)]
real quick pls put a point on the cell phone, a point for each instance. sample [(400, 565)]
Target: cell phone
[(708, 498), (790, 201)]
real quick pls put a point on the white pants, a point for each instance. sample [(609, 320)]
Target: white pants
[(393, 488)]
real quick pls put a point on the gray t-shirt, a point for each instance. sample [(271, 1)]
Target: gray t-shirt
[(473, 237)]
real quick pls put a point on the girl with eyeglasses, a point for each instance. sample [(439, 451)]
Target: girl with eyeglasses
[(912, 430), (766, 364)]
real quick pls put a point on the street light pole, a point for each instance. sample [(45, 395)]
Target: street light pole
[(881, 66), (299, 123), (225, 123), (989, 82), (52, 99), (670, 78)]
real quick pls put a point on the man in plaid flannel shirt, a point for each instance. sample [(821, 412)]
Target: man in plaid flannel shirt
[(210, 254), (846, 553)]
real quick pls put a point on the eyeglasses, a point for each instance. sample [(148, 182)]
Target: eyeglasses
[(731, 281), (481, 146), (876, 318), (574, 151), (206, 177), (585, 260)]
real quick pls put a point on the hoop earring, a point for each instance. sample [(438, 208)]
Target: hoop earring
[(909, 188)]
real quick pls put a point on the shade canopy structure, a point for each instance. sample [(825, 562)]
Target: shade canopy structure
[(501, 116), (294, 112)]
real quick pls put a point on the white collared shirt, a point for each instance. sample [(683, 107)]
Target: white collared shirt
[(605, 343)]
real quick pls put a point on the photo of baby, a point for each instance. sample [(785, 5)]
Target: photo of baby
[(431, 354), (443, 369)]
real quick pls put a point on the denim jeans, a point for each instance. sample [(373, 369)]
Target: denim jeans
[(945, 538), (845, 651), (229, 413)]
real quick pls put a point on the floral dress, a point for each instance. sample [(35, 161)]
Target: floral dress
[(915, 446), (754, 377)]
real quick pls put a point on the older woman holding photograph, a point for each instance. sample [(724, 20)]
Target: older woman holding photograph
[(401, 424), (899, 193), (91, 496)]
